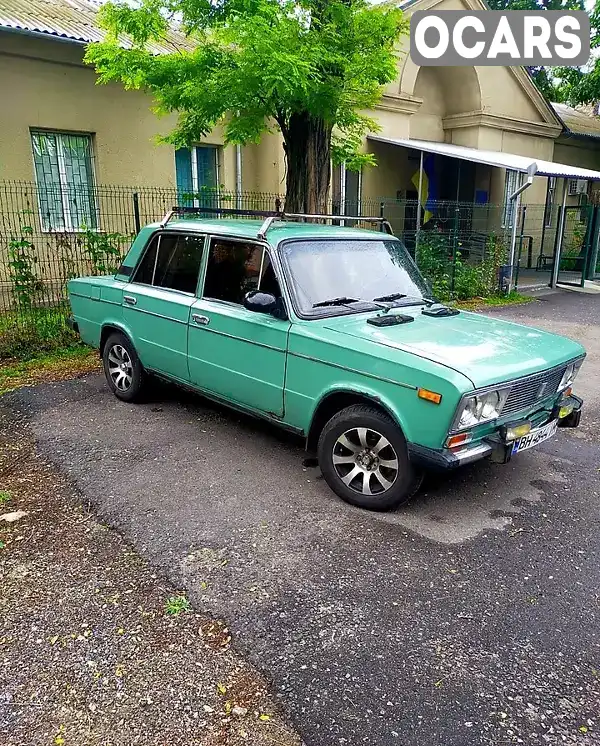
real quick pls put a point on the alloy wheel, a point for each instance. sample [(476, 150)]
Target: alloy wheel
[(120, 367), (365, 461)]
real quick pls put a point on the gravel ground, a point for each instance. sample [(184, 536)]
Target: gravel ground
[(88, 652), (469, 618)]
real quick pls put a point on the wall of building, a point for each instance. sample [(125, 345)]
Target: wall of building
[(263, 166), (48, 87), (583, 152), (44, 84)]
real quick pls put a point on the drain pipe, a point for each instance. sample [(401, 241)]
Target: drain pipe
[(515, 198)]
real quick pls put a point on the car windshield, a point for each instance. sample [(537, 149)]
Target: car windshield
[(340, 272)]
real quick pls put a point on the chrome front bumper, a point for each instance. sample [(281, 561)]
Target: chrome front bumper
[(493, 447)]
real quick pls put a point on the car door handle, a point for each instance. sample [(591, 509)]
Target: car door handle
[(129, 299), (199, 319)]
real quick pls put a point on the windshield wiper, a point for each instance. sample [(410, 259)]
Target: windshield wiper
[(399, 296), (389, 298), (336, 302)]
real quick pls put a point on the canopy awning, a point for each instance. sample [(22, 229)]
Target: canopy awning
[(521, 163)]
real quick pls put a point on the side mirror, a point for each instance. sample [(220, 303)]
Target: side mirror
[(260, 302)]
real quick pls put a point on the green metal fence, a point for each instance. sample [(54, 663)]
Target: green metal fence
[(458, 246)]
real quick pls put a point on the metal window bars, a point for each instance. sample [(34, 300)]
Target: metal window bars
[(272, 216)]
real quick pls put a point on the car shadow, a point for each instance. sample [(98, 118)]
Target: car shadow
[(435, 484)]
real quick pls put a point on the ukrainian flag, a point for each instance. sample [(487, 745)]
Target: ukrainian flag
[(428, 191)]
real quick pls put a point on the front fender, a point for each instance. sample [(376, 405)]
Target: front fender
[(365, 391), (422, 422)]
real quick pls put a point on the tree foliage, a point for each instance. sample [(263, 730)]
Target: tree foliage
[(547, 79), (309, 68), (578, 85)]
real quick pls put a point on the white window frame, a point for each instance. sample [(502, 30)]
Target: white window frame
[(342, 187), (511, 184), (194, 157), (64, 185)]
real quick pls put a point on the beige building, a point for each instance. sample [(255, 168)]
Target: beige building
[(61, 131), (47, 89)]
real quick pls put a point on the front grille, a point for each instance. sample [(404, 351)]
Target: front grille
[(525, 392)]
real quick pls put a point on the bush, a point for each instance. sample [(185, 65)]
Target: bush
[(24, 334), (30, 326), (104, 250), (453, 278)]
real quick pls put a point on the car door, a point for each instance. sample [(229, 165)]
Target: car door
[(157, 301), (238, 354)]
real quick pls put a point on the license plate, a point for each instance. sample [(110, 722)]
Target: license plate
[(535, 437)]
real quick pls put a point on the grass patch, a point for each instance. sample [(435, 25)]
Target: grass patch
[(176, 604), (512, 299), (5, 497), (24, 334), (58, 365)]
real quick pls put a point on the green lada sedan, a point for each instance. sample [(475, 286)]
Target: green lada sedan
[(327, 331)]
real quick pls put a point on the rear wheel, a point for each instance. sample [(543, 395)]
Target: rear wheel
[(364, 459), (122, 367)]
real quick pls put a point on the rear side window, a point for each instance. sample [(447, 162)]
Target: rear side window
[(172, 261), (235, 268)]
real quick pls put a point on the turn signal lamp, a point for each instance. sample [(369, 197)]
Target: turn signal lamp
[(431, 396), (456, 441)]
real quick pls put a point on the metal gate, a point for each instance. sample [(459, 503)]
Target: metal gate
[(578, 256)]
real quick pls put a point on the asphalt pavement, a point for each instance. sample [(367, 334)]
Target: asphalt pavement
[(472, 616)]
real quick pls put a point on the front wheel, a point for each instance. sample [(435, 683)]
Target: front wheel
[(364, 459), (122, 367)]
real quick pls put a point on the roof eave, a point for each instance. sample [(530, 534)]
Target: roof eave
[(44, 35), (569, 133)]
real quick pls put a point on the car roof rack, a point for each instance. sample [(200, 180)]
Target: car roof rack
[(271, 216)]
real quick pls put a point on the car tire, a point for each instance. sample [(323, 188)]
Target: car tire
[(355, 461), (122, 367)]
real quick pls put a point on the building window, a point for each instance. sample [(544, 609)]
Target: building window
[(511, 184), (550, 192), (197, 175), (577, 186), (64, 172), (345, 190)]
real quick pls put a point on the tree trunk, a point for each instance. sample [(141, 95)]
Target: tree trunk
[(307, 146)]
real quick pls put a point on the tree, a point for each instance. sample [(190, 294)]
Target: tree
[(546, 78), (309, 68), (582, 85)]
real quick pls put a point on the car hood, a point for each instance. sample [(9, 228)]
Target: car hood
[(485, 350)]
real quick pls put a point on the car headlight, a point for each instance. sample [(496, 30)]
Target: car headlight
[(481, 408), (569, 375)]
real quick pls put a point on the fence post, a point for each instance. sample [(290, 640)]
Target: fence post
[(136, 212), (518, 267), (454, 248), (381, 215)]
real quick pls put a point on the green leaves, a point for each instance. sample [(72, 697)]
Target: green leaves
[(140, 24), (252, 64)]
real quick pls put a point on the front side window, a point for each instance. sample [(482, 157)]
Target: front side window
[(171, 262), (360, 271), (235, 268), (64, 172)]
